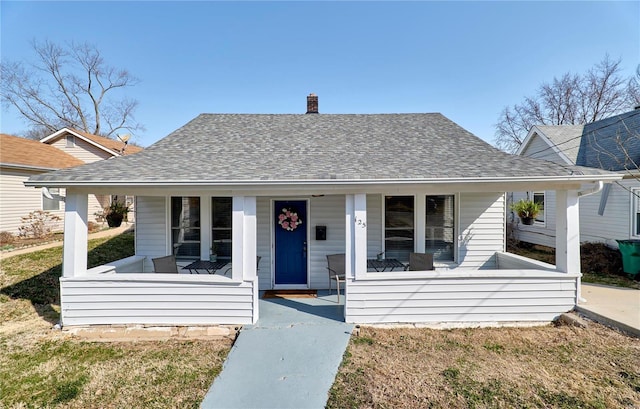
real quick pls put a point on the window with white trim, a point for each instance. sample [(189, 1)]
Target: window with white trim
[(440, 227), (185, 227), (221, 227), (71, 141), (399, 226), (538, 197)]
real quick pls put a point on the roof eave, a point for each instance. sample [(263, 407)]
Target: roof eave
[(607, 178)]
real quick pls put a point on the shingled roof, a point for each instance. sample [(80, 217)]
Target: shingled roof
[(612, 143), (111, 146), (565, 137), (27, 153), (248, 148)]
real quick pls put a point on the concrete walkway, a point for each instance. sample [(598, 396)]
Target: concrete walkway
[(613, 306), (102, 233), (289, 359)]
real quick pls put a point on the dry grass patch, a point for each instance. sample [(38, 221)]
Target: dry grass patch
[(542, 367), (50, 369), (42, 368)]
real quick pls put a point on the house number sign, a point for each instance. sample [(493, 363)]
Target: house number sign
[(359, 222)]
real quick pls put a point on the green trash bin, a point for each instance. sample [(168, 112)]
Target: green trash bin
[(630, 250)]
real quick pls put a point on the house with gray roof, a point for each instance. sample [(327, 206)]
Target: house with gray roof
[(609, 214), (289, 190)]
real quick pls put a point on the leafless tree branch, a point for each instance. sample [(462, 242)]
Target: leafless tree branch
[(69, 86)]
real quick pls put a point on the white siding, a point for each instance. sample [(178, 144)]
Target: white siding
[(151, 229), (499, 296), (614, 224), (616, 221), (539, 149), (17, 201), (82, 150), (158, 299), (481, 229), (538, 233)]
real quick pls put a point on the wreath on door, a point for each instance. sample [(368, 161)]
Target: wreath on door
[(289, 219)]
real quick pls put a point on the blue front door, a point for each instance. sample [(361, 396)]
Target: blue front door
[(290, 242)]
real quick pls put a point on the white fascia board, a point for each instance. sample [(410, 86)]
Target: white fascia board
[(19, 166), (63, 131), (535, 131), (332, 184)]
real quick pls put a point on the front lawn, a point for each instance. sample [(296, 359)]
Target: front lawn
[(41, 367), (542, 367)]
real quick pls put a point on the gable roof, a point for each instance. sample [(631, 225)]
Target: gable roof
[(218, 149), (26, 153), (564, 140), (612, 143), (110, 146)]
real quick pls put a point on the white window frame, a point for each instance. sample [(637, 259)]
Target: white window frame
[(537, 221), (635, 212), (71, 141)]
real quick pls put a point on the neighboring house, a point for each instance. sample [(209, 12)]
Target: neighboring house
[(92, 148), (358, 185), (611, 144), (21, 158)]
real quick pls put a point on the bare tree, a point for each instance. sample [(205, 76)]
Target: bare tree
[(569, 100), (69, 86)]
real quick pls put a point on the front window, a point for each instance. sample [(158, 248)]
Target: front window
[(538, 197), (440, 227), (185, 227), (221, 221), (399, 227)]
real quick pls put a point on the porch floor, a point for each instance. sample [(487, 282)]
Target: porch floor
[(289, 359)]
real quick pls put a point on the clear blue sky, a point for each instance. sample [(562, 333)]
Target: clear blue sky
[(467, 60)]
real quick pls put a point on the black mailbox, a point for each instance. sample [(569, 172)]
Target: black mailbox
[(321, 232)]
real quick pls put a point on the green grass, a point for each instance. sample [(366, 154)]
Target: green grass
[(42, 368)]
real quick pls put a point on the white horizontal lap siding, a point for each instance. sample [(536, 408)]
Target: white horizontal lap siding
[(98, 302), (151, 229), (17, 200), (617, 220), (263, 236), (539, 149), (82, 150), (481, 229), (460, 300), (326, 211), (538, 233)]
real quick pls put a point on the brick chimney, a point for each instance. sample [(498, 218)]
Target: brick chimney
[(312, 104)]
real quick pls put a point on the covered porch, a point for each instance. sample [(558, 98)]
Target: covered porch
[(480, 285)]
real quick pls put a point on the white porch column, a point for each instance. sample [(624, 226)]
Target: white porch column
[(244, 233), (74, 253), (567, 231), (205, 227), (356, 240)]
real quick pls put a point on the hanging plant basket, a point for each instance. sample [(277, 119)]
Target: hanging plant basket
[(288, 219), (527, 220), (114, 219)]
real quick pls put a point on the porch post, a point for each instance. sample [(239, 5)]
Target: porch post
[(74, 252), (205, 227), (356, 235), (567, 231), (244, 238)]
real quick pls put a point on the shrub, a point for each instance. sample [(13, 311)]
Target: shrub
[(599, 258), (6, 238), (38, 224)]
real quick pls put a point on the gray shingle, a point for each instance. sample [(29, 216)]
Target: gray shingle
[(247, 147)]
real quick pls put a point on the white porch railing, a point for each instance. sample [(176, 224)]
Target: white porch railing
[(520, 290)]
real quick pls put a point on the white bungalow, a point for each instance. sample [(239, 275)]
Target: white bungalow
[(395, 183)]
